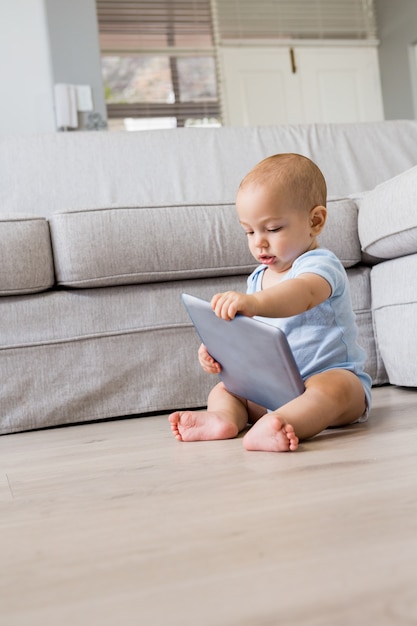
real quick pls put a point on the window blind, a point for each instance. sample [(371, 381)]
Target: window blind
[(175, 32), (296, 19), (154, 24)]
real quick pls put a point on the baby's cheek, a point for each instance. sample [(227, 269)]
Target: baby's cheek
[(252, 249)]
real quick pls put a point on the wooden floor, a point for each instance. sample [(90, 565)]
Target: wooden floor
[(117, 523)]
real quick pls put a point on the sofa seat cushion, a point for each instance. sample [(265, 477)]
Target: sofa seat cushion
[(26, 264), (394, 304), (117, 246), (133, 245), (387, 220)]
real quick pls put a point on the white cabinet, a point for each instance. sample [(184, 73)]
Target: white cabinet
[(300, 84), (259, 87)]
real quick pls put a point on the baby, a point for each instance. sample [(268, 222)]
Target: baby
[(303, 290)]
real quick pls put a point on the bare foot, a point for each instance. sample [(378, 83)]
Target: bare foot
[(201, 426), (271, 434)]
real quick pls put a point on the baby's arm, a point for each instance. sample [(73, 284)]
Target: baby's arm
[(287, 298), (207, 362)]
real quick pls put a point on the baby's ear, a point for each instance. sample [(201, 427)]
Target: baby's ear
[(318, 218)]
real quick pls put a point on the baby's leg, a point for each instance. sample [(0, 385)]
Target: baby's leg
[(225, 417), (332, 398)]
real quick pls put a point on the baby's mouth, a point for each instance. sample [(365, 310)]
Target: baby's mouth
[(266, 259)]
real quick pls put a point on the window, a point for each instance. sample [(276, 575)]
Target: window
[(158, 63)]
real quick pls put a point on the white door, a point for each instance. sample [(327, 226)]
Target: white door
[(283, 85)]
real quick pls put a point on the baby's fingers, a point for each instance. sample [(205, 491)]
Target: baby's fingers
[(207, 362), (224, 305)]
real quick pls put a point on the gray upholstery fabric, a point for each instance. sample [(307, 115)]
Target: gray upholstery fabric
[(342, 218), (106, 247), (360, 289), (96, 353), (142, 245), (26, 264), (42, 174), (387, 220), (394, 303)]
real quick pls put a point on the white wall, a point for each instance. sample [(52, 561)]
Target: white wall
[(43, 42), (75, 47), (397, 32), (26, 74)]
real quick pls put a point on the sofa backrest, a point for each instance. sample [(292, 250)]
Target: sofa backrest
[(42, 174)]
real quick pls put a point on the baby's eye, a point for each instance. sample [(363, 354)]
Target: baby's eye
[(274, 230), (248, 232)]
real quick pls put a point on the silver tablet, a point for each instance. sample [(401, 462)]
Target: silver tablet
[(256, 359)]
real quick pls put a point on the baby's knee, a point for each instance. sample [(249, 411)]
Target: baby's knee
[(338, 385)]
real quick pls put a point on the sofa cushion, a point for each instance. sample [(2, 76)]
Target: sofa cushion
[(387, 220), (26, 264), (340, 234), (106, 247), (394, 304)]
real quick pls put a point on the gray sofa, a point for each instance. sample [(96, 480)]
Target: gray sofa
[(101, 232)]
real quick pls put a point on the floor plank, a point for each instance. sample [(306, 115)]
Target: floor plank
[(118, 523)]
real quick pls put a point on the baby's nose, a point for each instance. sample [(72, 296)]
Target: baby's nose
[(261, 241)]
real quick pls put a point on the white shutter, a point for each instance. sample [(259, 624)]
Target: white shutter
[(295, 19)]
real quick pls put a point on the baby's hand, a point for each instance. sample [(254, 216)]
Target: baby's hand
[(207, 362), (227, 305)]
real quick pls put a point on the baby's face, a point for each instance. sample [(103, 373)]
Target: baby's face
[(277, 232)]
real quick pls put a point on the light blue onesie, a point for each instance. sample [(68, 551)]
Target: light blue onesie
[(324, 337)]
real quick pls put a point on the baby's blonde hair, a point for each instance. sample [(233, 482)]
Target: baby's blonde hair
[(297, 173)]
